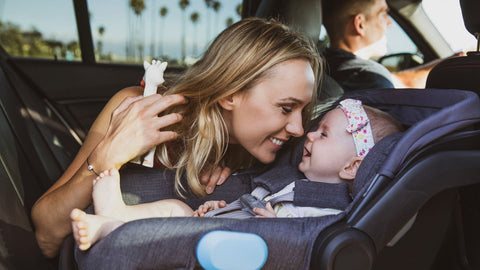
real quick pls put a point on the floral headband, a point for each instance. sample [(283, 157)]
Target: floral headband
[(358, 125)]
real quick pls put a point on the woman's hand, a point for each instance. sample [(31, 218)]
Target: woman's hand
[(208, 206), (266, 212), (135, 128), (216, 178)]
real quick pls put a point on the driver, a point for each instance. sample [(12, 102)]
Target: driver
[(357, 31)]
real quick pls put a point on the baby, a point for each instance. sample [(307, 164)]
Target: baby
[(332, 154)]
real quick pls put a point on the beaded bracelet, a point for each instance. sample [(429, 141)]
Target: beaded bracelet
[(90, 168)]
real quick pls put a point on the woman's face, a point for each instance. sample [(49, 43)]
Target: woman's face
[(264, 117)]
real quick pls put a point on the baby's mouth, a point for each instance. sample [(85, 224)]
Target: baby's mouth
[(306, 152)]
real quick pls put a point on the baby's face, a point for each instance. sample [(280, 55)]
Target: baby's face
[(328, 149)]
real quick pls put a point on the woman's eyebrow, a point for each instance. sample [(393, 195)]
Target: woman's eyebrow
[(292, 99)]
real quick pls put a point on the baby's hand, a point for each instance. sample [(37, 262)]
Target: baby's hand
[(208, 206), (266, 212)]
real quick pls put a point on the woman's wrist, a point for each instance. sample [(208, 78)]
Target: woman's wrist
[(91, 168), (100, 159)]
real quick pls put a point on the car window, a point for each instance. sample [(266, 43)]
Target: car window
[(175, 31), (39, 29), (449, 21), (399, 41)]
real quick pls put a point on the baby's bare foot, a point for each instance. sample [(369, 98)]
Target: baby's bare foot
[(107, 196), (88, 229)]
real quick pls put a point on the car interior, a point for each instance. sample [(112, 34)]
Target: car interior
[(47, 107)]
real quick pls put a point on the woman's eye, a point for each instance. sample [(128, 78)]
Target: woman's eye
[(287, 109)]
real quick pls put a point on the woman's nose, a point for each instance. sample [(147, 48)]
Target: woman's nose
[(294, 126)]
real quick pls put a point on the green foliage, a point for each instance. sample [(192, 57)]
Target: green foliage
[(138, 6), (32, 44)]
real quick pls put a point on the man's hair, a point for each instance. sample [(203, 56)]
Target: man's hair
[(238, 59), (337, 14), (382, 123)]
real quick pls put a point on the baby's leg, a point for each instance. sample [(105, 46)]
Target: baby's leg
[(107, 201), (88, 229)]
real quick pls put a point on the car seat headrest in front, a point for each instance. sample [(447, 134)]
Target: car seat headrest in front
[(456, 73), (471, 19)]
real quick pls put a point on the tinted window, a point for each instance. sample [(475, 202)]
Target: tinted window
[(175, 31), (40, 29)]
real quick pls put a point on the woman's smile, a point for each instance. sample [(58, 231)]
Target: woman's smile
[(277, 142)]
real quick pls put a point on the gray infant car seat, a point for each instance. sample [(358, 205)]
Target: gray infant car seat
[(398, 192)]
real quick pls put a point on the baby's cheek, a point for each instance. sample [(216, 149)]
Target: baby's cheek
[(302, 166)]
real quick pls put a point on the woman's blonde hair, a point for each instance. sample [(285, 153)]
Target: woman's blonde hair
[(236, 60)]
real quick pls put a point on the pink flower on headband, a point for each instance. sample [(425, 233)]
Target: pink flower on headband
[(358, 125)]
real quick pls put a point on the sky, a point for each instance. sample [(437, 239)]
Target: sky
[(151, 28), (56, 20)]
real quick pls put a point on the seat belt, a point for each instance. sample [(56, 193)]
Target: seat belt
[(237, 209)]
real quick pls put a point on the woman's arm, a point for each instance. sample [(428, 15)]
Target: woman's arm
[(127, 127)]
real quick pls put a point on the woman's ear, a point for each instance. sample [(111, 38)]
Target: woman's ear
[(229, 102), (349, 171)]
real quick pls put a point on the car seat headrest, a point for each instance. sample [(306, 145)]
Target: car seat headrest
[(471, 19), (456, 73), (373, 161), (304, 16), (329, 88)]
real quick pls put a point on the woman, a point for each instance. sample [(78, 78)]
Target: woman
[(237, 105)]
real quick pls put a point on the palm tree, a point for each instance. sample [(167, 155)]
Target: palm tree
[(163, 14), (216, 7), (194, 18), (183, 5), (153, 24), (101, 31), (239, 10), (74, 47), (209, 4), (138, 6), (229, 21)]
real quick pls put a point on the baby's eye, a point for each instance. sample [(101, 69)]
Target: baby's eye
[(323, 134)]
